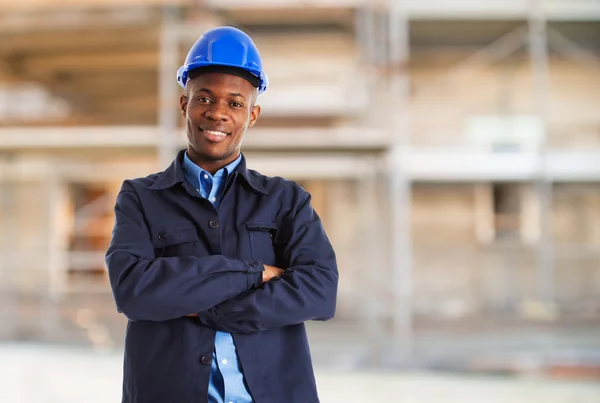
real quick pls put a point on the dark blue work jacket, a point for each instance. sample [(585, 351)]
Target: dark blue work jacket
[(172, 254)]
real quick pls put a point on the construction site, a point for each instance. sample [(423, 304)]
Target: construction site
[(451, 148)]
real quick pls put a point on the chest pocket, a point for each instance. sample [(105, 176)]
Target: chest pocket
[(179, 241), (264, 243)]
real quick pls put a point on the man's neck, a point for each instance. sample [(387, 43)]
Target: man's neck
[(211, 166)]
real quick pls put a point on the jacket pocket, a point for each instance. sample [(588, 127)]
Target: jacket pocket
[(263, 238), (179, 241)]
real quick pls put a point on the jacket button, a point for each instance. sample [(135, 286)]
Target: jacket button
[(253, 264), (162, 236), (214, 224), (206, 360)]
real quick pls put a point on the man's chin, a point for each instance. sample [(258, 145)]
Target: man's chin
[(214, 155)]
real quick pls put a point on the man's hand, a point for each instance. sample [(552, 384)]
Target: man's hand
[(270, 272)]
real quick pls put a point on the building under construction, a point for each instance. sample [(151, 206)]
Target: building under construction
[(452, 149)]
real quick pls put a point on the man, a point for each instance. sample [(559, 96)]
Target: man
[(216, 266)]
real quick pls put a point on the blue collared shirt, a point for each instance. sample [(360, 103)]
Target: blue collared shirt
[(226, 378)]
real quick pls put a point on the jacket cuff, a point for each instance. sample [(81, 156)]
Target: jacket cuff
[(209, 318), (254, 270)]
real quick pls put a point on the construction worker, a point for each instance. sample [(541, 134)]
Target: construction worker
[(216, 266)]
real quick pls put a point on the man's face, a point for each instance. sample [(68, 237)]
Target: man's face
[(218, 109)]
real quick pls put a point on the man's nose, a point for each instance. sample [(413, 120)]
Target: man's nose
[(216, 112)]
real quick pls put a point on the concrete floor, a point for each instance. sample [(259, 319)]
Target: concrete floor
[(34, 373)]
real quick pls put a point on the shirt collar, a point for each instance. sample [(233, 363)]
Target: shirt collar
[(174, 174), (192, 171)]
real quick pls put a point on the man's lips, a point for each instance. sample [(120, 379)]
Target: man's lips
[(214, 135), (215, 132)]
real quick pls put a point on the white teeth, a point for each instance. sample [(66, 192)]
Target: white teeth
[(215, 133)]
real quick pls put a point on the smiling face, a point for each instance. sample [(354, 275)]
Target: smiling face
[(218, 108)]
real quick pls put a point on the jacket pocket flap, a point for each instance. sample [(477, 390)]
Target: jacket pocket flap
[(270, 228), (174, 236), (262, 226)]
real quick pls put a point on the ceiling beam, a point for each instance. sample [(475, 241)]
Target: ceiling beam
[(50, 43), (24, 5), (44, 65)]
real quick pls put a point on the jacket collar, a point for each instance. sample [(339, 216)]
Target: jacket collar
[(174, 175)]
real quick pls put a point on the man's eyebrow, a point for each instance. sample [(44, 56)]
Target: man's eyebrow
[(233, 94)]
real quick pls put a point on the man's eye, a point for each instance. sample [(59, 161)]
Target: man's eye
[(203, 100), (236, 104)]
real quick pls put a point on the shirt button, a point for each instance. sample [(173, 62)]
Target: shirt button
[(205, 360), (162, 236), (198, 190), (214, 224), (205, 176), (214, 199), (224, 362)]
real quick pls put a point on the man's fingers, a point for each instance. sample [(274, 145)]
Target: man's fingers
[(270, 272)]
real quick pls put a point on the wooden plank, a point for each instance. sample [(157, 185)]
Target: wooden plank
[(145, 60), (133, 102), (249, 15), (287, 4), (133, 136), (105, 85), (38, 20), (64, 4), (56, 42)]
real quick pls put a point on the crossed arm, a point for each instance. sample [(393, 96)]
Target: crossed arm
[(226, 294)]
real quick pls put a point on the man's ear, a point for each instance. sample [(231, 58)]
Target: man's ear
[(183, 102), (254, 115)]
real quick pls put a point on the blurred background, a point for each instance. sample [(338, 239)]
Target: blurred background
[(452, 149)]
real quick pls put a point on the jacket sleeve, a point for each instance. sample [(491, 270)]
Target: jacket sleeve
[(159, 289), (306, 291)]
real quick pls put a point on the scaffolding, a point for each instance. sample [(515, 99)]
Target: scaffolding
[(383, 32), (390, 168)]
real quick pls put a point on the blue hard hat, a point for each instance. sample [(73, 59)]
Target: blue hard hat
[(224, 46)]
